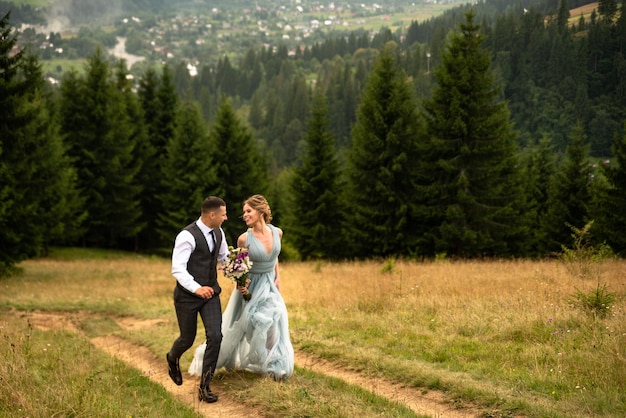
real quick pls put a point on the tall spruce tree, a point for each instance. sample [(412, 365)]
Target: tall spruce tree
[(142, 150), (255, 115), (53, 186), (383, 165), (151, 174), (342, 101), (16, 242), (607, 9), (165, 123), (538, 170), (315, 219), (610, 200), (474, 192), (38, 198), (241, 168), (159, 102), (570, 194), (98, 130), (188, 172)]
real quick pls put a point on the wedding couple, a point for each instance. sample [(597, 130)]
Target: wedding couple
[(251, 335)]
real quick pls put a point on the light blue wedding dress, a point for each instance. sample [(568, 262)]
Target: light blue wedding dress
[(255, 333)]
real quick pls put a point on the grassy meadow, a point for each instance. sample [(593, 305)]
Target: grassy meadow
[(33, 3), (502, 336)]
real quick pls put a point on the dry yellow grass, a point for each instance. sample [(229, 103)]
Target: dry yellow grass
[(135, 283), (504, 328), (584, 11), (478, 329), (527, 285), (527, 288)]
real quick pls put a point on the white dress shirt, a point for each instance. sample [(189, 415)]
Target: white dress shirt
[(184, 245)]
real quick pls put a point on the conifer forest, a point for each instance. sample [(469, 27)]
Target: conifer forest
[(493, 129)]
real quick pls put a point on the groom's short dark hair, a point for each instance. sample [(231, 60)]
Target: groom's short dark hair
[(212, 203)]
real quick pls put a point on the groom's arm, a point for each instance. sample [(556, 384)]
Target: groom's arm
[(184, 245)]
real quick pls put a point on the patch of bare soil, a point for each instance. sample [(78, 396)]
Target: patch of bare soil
[(47, 321), (136, 324), (155, 369), (431, 403)]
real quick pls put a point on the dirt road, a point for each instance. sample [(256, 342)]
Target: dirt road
[(432, 403)]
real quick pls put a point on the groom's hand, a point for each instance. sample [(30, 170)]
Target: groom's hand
[(205, 292)]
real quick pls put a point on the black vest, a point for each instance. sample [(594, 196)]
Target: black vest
[(202, 264)]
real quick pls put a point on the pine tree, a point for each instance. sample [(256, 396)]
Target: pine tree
[(226, 77), (205, 99), (166, 116), (255, 116), (570, 195), (98, 129), (159, 103), (119, 162), (538, 171), (474, 192), (315, 218), (241, 169), (342, 101), (383, 165), (39, 203), (141, 154), (620, 39), (607, 9), (60, 212), (563, 17), (181, 80), (151, 175), (610, 200), (189, 170), (16, 244)]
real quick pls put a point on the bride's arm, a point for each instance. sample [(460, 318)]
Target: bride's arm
[(277, 279), (241, 241), (276, 271)]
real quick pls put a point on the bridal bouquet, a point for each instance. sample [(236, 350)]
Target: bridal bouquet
[(237, 266)]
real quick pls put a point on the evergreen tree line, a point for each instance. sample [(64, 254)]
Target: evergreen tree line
[(82, 12), (554, 74), (23, 13), (94, 163)]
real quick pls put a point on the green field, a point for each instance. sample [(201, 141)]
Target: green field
[(492, 338), (33, 3), (53, 66)]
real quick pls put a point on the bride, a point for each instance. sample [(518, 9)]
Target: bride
[(256, 332)]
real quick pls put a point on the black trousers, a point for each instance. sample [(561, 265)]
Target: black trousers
[(188, 307)]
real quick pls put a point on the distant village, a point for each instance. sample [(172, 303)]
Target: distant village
[(200, 37)]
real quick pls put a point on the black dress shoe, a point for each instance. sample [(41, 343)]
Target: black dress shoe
[(205, 394), (174, 370)]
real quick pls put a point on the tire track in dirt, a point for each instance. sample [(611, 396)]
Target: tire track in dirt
[(432, 403), (142, 359)]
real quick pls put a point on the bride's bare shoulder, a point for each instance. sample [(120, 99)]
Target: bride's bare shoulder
[(241, 241)]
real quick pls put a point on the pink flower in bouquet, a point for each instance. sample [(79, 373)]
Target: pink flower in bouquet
[(237, 266)]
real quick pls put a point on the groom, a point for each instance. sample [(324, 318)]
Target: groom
[(198, 248)]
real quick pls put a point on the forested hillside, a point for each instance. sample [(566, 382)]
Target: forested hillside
[(516, 132)]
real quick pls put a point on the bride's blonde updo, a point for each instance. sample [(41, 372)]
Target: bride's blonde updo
[(259, 203)]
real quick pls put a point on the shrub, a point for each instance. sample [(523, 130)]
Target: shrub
[(585, 262), (597, 302)]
